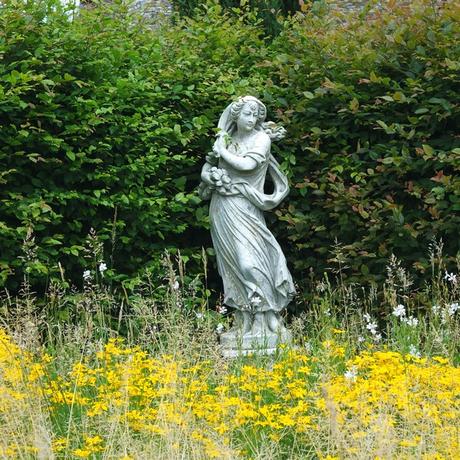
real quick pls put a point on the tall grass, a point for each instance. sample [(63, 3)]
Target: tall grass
[(372, 372)]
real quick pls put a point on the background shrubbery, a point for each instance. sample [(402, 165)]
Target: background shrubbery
[(372, 110), (270, 12), (105, 122)]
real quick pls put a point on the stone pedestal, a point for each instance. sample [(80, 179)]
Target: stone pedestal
[(254, 334)]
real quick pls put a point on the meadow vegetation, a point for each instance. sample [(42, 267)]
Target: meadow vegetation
[(364, 378)]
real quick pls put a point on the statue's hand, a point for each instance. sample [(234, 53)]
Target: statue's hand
[(216, 150), (274, 131), (219, 145), (212, 159)]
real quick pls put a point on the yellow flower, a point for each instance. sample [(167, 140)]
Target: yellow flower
[(93, 444), (82, 453), (338, 351), (59, 444), (92, 441), (97, 408), (410, 442)]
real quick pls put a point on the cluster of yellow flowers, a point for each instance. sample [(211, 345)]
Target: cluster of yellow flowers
[(153, 395), (382, 399), (386, 395)]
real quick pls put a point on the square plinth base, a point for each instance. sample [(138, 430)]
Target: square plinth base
[(246, 344), (232, 353)]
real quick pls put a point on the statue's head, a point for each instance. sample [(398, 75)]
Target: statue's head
[(248, 112)]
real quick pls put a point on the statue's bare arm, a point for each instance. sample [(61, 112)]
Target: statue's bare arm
[(237, 162)]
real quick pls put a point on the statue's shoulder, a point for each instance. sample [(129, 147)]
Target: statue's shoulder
[(262, 139)]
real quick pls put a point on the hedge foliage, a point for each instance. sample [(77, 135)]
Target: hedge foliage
[(270, 12), (106, 120), (372, 108)]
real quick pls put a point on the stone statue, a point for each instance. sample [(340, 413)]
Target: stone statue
[(257, 283)]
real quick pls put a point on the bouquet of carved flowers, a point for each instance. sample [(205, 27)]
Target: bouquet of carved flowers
[(221, 180), (218, 179)]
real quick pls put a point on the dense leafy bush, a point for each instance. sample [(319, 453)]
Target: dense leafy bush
[(270, 12), (371, 104), (105, 122)]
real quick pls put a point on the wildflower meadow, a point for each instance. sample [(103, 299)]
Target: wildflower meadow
[(152, 383)]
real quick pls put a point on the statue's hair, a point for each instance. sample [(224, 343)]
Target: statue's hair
[(274, 131), (238, 105)]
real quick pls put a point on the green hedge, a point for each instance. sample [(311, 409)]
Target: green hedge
[(372, 109), (105, 123), (271, 13)]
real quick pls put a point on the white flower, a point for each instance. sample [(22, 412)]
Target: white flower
[(372, 328), (321, 287), (87, 275), (175, 285), (222, 309), (414, 352), (361, 339), (102, 268), (399, 311), (308, 347), (451, 277), (256, 301), (444, 316), (411, 321), (377, 337), (351, 374), (219, 328), (453, 308), (436, 309), (199, 315)]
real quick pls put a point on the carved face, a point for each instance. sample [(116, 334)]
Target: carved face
[(248, 117)]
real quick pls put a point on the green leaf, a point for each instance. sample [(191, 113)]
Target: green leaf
[(70, 155), (354, 105), (428, 150)]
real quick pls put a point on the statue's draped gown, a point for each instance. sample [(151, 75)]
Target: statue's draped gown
[(249, 259)]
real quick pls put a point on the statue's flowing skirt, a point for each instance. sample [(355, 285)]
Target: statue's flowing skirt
[(249, 258)]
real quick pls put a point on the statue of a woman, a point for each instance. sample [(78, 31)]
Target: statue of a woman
[(251, 263)]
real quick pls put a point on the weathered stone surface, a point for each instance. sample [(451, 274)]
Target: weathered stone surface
[(154, 8)]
